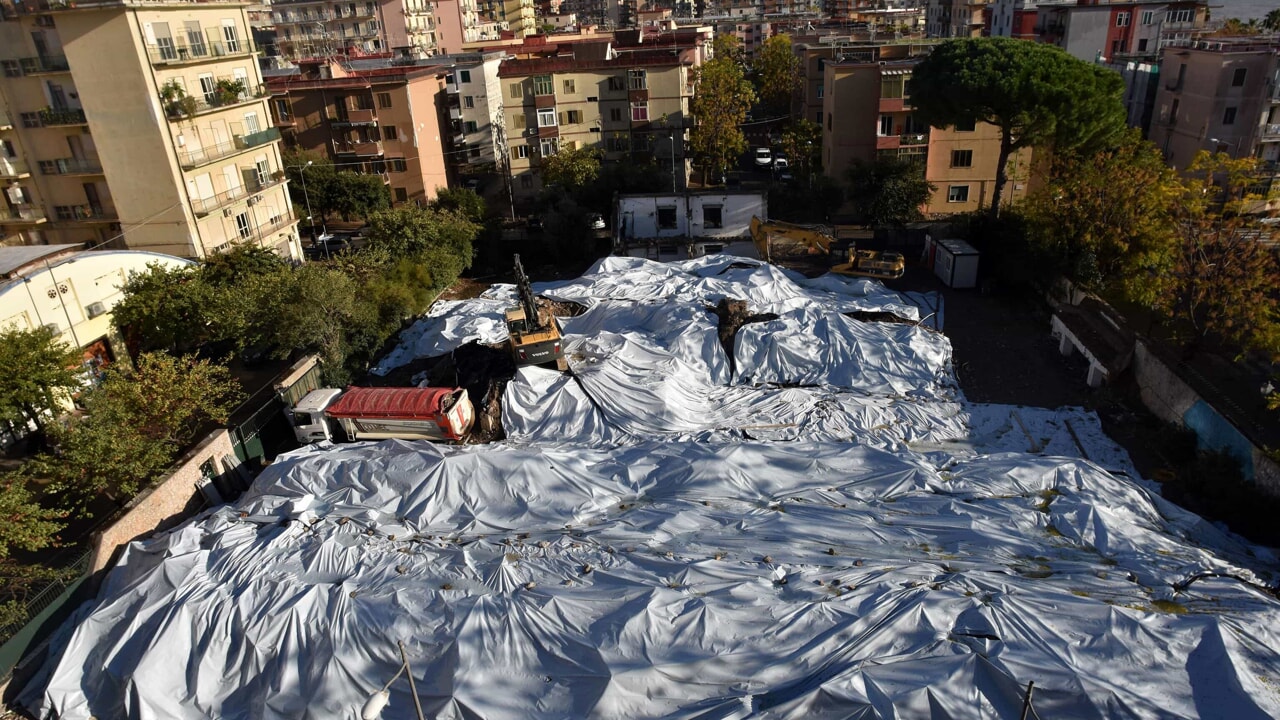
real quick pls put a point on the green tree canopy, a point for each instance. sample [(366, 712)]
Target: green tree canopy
[(777, 73), (358, 195), (1036, 94), (461, 200), (1272, 20), (27, 525), (571, 169), (1107, 218), (38, 374), (312, 186), (802, 143), (720, 103), (413, 230), (887, 191)]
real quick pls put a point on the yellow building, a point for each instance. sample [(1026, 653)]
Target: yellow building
[(140, 123), (867, 113)]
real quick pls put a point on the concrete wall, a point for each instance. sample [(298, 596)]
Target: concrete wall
[(638, 215), (169, 502)]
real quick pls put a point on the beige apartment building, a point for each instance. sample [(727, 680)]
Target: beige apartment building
[(823, 46), (368, 116), (1220, 95), (867, 113), (140, 123), (629, 101), (323, 28)]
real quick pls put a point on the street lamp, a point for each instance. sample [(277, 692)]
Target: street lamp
[(307, 198), (372, 708)]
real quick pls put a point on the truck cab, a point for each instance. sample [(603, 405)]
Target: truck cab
[(308, 418)]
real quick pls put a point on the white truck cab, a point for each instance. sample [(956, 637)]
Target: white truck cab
[(308, 419)]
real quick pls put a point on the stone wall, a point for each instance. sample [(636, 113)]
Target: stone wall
[(169, 502)]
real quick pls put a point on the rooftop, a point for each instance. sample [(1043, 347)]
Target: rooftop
[(17, 259)]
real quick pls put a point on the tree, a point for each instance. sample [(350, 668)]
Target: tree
[(319, 307), (311, 187), (38, 374), (461, 200), (1035, 94), (1272, 20), (412, 230), (163, 308), (1235, 27), (802, 142), (571, 169), (1107, 217), (1225, 280), (887, 191), (777, 71), (27, 525), (359, 194), (720, 104)]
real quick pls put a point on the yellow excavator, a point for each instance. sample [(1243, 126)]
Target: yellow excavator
[(788, 244)]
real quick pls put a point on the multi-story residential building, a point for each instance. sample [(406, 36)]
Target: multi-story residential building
[(630, 100), (315, 28), (1220, 95), (477, 129), (1012, 18), (519, 16), (817, 50), (955, 18), (143, 124), (867, 113), (369, 116), (1095, 31)]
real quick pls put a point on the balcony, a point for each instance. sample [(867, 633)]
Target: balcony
[(285, 121), (70, 166), (1271, 131), (204, 206), (50, 117), (455, 113), (909, 139), (241, 143), (276, 224), (21, 215), (367, 116), (42, 64), (357, 147), (185, 52), (451, 88), (83, 213), (6, 122), (11, 169), (189, 106)]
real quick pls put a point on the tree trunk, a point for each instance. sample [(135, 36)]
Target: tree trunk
[(1002, 176)]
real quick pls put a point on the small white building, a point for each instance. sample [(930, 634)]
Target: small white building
[(698, 214)]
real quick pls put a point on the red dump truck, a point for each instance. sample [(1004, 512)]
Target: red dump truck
[(379, 413)]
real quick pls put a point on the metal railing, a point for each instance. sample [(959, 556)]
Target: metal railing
[(44, 64), (50, 117), (1271, 130), (205, 155), (83, 212), (70, 166), (353, 117), (358, 147), (39, 601), (275, 224), (914, 139), (181, 52), (204, 206), (22, 213), (10, 168), (189, 105)]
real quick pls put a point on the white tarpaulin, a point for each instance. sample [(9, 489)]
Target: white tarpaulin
[(829, 531)]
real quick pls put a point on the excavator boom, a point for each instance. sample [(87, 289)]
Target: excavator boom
[(783, 243)]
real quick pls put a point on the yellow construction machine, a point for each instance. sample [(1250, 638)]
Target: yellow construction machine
[(804, 246), (534, 333)]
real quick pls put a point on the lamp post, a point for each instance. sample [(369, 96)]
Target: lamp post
[(372, 708), (307, 199)]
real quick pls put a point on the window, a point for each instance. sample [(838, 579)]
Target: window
[(384, 100), (961, 158), (828, 121), (637, 80), (1142, 45), (958, 193), (886, 126), (520, 152), (470, 126), (817, 118), (515, 91), (208, 87), (639, 111), (616, 83), (388, 132), (1148, 17), (242, 226), (618, 143), (519, 122), (1179, 16), (547, 117), (712, 216), (1229, 117), (667, 218), (468, 102), (402, 195), (821, 91), (283, 111), (965, 126), (571, 117), (262, 169), (569, 87), (464, 76), (1122, 19), (548, 147), (891, 86), (229, 36), (542, 85), (475, 151), (396, 165), (11, 68), (1237, 78), (615, 114)]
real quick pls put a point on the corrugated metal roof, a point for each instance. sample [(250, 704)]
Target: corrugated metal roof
[(382, 402), (13, 258)]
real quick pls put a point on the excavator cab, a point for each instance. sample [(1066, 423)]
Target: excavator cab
[(534, 334)]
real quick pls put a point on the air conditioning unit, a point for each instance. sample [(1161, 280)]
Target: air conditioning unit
[(53, 328), (530, 131), (95, 309), (226, 212), (252, 201)]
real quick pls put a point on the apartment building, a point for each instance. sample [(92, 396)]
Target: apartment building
[(867, 113), (519, 16), (142, 124), (955, 18), (370, 116), (630, 100), (1220, 95), (1099, 31), (477, 131), (1012, 19), (817, 50)]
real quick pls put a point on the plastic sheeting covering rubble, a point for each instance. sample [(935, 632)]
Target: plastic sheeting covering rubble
[(665, 537)]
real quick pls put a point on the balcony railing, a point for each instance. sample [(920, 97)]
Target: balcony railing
[(451, 88), (357, 147), (206, 155), (21, 214), (44, 64), (91, 213), (10, 168), (276, 224), (1271, 130), (204, 206), (190, 105), (70, 166), (915, 139), (356, 117), (50, 117), (183, 52)]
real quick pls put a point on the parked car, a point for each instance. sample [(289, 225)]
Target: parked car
[(331, 244), (534, 223), (596, 221), (780, 163), (472, 184), (763, 157)]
